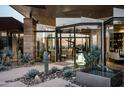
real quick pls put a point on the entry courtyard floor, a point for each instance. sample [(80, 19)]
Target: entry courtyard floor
[(19, 72)]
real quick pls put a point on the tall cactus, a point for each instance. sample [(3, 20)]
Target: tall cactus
[(46, 61)]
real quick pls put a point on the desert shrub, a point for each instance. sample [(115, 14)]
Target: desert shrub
[(32, 73), (68, 73), (7, 64), (66, 67), (92, 57), (2, 67), (54, 70), (32, 62), (25, 58)]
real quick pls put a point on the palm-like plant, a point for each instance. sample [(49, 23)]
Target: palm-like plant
[(92, 58)]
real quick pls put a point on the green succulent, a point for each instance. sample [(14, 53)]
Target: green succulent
[(2, 67), (32, 62), (54, 70), (92, 57), (32, 73), (66, 67), (68, 73)]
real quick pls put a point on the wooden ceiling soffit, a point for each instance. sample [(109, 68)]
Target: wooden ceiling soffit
[(46, 20), (24, 10)]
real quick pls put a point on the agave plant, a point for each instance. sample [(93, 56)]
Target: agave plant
[(2, 67), (54, 70), (32, 62), (6, 55), (68, 73), (8, 52), (32, 73), (25, 58), (66, 67)]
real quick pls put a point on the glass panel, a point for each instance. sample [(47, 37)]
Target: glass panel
[(3, 34), (67, 44), (88, 45), (45, 41), (5, 44), (115, 44)]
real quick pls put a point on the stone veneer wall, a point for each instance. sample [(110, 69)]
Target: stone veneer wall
[(29, 36), (14, 47)]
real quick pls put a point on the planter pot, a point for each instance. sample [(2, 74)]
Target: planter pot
[(100, 79)]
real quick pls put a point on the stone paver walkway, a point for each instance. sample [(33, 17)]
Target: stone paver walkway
[(14, 84), (57, 82), (19, 72)]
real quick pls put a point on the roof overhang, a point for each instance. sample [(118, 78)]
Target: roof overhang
[(10, 24), (47, 14)]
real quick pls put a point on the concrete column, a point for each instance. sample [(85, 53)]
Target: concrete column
[(29, 36)]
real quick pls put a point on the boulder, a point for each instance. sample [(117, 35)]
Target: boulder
[(37, 79)]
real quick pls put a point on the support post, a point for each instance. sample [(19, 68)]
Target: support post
[(57, 45), (74, 47), (60, 48), (103, 38)]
